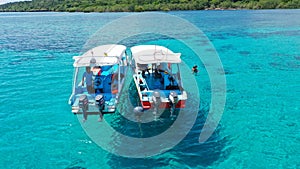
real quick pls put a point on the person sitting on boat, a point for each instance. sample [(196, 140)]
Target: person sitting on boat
[(88, 78), (195, 69)]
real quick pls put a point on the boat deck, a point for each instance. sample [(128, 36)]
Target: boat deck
[(161, 81)]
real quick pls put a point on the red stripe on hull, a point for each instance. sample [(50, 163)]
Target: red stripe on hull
[(146, 104), (164, 105), (180, 104)]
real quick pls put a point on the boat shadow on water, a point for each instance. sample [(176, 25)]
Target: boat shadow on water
[(189, 153)]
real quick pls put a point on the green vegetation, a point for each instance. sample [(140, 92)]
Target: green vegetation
[(144, 5)]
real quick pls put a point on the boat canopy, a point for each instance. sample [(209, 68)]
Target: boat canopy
[(100, 56), (147, 54)]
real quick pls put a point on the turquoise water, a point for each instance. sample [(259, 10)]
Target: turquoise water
[(260, 52)]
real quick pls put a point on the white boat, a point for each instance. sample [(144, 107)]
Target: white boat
[(157, 77), (102, 93)]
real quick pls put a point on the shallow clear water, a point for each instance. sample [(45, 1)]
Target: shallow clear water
[(260, 52)]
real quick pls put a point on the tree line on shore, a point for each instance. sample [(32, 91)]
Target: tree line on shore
[(144, 5)]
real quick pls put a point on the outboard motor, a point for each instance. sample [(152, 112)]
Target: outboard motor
[(156, 97), (84, 105), (156, 101), (100, 103), (138, 112), (173, 97)]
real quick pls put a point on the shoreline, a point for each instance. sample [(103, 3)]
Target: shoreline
[(88, 6), (206, 9)]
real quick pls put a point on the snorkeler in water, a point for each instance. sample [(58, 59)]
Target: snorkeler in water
[(195, 69)]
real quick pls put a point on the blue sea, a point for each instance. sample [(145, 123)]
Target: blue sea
[(260, 126)]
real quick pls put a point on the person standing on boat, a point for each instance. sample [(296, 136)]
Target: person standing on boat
[(88, 78), (144, 68), (98, 84)]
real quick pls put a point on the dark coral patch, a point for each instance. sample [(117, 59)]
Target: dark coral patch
[(244, 53)]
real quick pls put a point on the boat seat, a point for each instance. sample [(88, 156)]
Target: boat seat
[(107, 84), (170, 83)]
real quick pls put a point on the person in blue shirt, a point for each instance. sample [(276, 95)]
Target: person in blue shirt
[(88, 79)]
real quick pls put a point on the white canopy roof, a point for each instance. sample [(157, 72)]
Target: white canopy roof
[(100, 55), (147, 54)]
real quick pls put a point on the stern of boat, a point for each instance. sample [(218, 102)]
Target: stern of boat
[(110, 102)]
